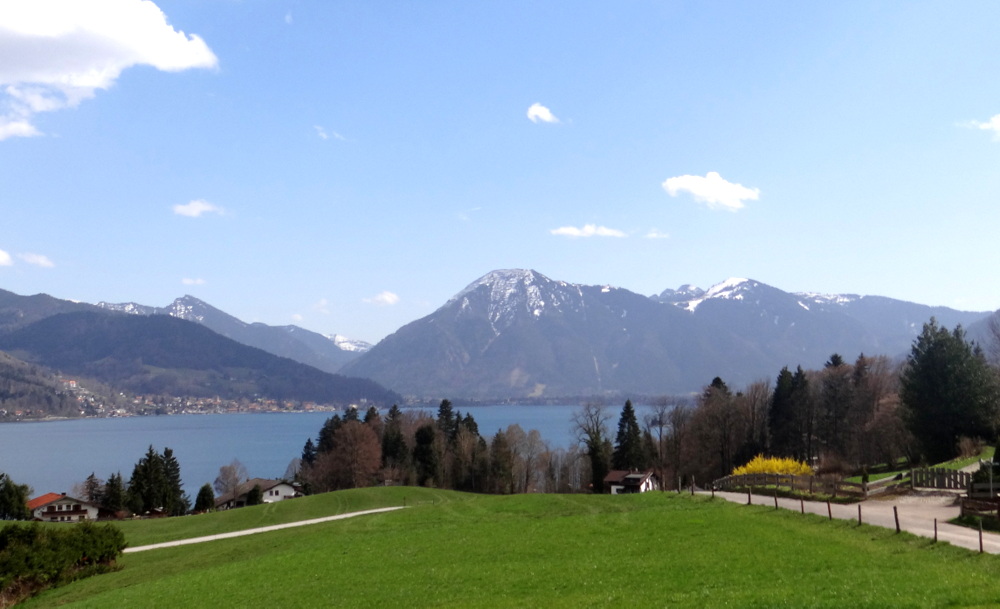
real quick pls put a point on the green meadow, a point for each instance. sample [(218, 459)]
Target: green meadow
[(451, 549)]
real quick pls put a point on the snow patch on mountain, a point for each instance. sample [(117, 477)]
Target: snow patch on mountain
[(510, 292), (349, 344)]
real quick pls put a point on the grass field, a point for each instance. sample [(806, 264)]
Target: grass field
[(458, 550)]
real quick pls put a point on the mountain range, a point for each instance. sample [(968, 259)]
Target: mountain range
[(327, 353), (511, 334), (154, 352), (517, 333)]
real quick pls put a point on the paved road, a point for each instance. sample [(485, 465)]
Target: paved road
[(275, 527), (916, 515)]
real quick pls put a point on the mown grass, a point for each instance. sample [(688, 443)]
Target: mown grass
[(651, 550), (144, 532)]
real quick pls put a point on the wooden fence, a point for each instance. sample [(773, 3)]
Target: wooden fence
[(984, 490), (809, 484), (937, 477), (982, 509)]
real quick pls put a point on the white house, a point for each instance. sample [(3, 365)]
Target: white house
[(619, 482), (60, 507), (271, 491)]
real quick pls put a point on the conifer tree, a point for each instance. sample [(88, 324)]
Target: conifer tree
[(628, 453), (948, 391), (206, 499), (113, 496)]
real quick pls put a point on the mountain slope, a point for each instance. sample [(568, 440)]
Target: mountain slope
[(517, 333), (293, 342), (165, 355)]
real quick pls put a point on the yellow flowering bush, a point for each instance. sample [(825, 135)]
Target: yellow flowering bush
[(773, 465)]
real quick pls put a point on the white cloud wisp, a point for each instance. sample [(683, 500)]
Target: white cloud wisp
[(588, 230), (991, 125), (36, 260), (539, 113), (197, 208), (383, 299), (5, 259), (58, 53), (712, 190)]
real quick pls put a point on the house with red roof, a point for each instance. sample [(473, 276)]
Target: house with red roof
[(619, 482), (60, 507)]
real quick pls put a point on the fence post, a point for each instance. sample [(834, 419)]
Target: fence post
[(859, 514), (802, 505), (692, 486), (776, 499), (749, 502), (895, 514), (935, 530), (980, 535), (829, 510)]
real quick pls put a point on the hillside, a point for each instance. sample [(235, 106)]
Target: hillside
[(517, 333), (456, 550), (325, 353), (166, 355), (32, 391)]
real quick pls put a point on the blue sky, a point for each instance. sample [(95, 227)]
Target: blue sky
[(349, 166)]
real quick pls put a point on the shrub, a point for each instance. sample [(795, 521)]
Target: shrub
[(774, 465), (33, 558)]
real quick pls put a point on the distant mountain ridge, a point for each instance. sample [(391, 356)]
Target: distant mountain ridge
[(165, 355), (518, 333), (327, 353)]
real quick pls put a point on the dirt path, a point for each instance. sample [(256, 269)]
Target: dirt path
[(916, 515), (274, 527)]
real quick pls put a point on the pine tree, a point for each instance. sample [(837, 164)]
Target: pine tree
[(176, 502), (309, 453), (425, 455), (205, 501), (255, 496), (113, 497), (948, 391), (781, 416), (13, 499), (628, 453)]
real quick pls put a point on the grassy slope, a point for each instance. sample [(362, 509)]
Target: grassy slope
[(555, 551)]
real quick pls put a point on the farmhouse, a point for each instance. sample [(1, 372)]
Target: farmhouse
[(60, 507), (272, 491), (619, 482)]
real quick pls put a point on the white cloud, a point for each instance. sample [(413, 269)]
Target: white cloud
[(196, 208), (192, 281), (36, 259), (383, 299), (58, 53), (537, 112), (656, 234), (991, 125), (323, 306), (712, 190), (5, 259), (297, 318), (324, 135), (588, 230)]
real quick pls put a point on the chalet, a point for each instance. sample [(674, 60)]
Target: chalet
[(619, 482), (272, 491), (60, 507)]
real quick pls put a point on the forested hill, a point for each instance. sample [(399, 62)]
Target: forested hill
[(169, 356), (29, 389)]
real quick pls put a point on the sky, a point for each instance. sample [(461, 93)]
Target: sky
[(350, 166)]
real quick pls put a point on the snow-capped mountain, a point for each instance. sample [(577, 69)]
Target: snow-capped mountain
[(518, 333), (326, 353)]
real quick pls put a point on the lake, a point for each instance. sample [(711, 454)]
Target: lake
[(52, 456)]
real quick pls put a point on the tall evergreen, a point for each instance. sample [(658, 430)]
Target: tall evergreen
[(147, 488), (309, 452), (628, 453), (948, 391), (113, 497), (447, 421), (206, 499), (176, 501), (425, 456), (781, 416), (13, 499)]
